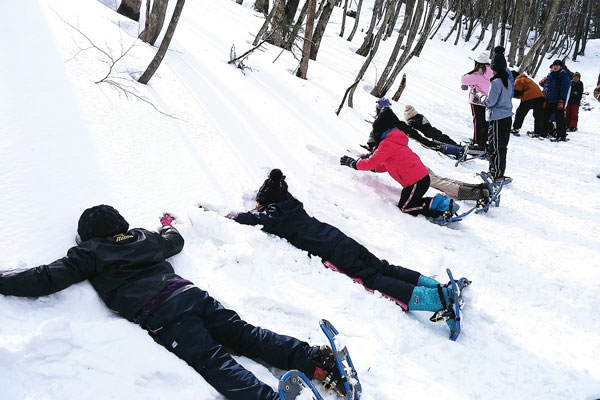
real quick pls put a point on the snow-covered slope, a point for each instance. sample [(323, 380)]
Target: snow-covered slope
[(531, 321)]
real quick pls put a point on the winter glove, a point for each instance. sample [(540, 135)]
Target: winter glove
[(166, 220), (543, 81), (348, 161), (561, 105), (464, 87)]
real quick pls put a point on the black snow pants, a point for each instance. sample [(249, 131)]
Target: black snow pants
[(499, 134), (197, 328), (537, 105), (411, 199), (354, 260), (480, 125)]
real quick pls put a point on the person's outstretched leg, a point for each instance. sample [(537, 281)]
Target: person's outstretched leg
[(179, 325), (280, 351), (354, 260)]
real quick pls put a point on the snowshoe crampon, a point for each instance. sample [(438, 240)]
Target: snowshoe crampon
[(292, 383), (350, 381)]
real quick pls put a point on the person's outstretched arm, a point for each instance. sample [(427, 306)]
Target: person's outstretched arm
[(51, 278)]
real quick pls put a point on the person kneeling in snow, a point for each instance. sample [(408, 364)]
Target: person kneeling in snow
[(281, 214), (128, 270), (393, 155)]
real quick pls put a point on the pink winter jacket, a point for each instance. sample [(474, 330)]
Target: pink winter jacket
[(394, 156), (479, 81)]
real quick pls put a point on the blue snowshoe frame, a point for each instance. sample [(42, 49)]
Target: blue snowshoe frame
[(456, 307), (292, 383), (467, 157), (353, 391)]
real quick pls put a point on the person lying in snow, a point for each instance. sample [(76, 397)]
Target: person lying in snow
[(418, 128), (443, 143), (128, 270), (281, 214)]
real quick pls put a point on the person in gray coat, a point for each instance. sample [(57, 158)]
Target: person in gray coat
[(499, 114)]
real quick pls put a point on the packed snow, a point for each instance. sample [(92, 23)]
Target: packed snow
[(530, 324)]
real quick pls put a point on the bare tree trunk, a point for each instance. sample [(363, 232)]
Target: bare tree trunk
[(280, 25), (297, 25), (518, 21), (310, 21), (392, 24), (164, 45), (495, 18), (363, 50), (355, 21), (344, 18), (320, 28), (408, 18), (290, 9), (262, 6), (155, 22), (130, 9), (529, 62), (370, 56), (404, 59), (386, 81)]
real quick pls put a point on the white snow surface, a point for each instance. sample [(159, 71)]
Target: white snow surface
[(531, 323)]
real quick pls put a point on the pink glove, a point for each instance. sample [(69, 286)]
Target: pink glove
[(166, 219)]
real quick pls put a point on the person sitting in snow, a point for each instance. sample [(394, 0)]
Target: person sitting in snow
[(129, 271), (392, 154), (283, 215)]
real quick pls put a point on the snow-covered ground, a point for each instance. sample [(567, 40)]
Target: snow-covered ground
[(531, 323)]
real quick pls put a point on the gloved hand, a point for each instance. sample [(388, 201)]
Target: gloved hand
[(561, 105), (475, 93), (348, 161), (543, 81), (464, 87), (166, 220)]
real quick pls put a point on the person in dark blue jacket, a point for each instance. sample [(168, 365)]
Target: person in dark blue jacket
[(556, 85), (281, 214), (127, 268)]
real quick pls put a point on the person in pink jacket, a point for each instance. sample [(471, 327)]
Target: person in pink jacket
[(479, 78), (392, 155)]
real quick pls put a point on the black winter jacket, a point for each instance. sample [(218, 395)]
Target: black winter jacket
[(576, 92), (127, 270), (289, 220), (420, 123), (386, 120)]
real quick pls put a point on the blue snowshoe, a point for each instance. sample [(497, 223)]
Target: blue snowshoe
[(292, 383), (350, 380), (445, 209), (452, 305), (494, 188)]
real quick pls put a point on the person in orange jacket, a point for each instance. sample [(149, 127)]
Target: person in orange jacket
[(532, 98)]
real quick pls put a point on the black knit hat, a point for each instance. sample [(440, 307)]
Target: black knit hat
[(274, 189), (498, 61), (100, 221)]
